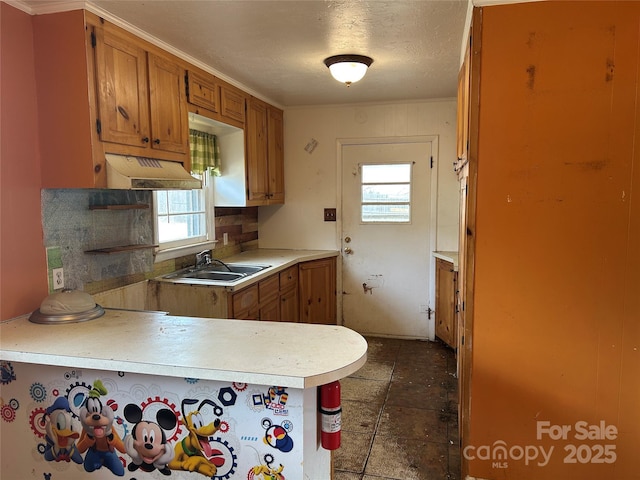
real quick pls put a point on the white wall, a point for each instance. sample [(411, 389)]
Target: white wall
[(311, 179)]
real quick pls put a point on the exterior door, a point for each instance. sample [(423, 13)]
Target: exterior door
[(386, 246)]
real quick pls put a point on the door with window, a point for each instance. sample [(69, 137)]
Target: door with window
[(386, 217)]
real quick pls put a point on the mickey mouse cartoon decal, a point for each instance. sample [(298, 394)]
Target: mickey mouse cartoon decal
[(147, 444)]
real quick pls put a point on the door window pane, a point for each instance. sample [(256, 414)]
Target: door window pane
[(386, 193)]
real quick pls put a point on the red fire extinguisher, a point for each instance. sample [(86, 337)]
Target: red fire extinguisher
[(331, 415)]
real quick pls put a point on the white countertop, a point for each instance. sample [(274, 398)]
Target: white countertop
[(277, 259), (294, 355), (449, 257)]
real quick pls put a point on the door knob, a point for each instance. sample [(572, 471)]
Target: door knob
[(348, 251)]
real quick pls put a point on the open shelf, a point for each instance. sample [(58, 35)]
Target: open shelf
[(135, 206), (119, 249)]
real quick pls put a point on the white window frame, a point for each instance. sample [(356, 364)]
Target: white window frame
[(409, 203), (178, 248)]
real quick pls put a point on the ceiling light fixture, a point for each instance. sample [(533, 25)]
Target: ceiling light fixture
[(348, 68)]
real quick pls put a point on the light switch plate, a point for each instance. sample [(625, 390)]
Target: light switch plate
[(329, 214)]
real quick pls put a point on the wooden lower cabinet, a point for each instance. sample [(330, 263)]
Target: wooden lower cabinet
[(276, 299), (305, 292), (318, 291), (446, 286), (289, 299)]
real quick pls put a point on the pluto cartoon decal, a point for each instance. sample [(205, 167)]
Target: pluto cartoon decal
[(98, 437), (194, 452)]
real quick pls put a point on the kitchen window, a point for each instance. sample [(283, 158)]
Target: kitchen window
[(385, 193), (184, 218)]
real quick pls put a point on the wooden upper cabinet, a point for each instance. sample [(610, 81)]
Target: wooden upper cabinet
[(203, 90), (462, 129), (264, 153), (256, 152), (232, 103), (213, 98), (121, 84), (275, 158), (169, 119), (141, 100)]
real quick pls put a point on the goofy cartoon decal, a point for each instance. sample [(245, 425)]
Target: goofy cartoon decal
[(98, 438)]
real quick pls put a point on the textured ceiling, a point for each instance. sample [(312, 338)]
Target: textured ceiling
[(276, 48)]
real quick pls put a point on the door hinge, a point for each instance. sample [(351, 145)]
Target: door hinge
[(462, 340), (98, 126), (429, 312), (432, 161), (93, 39), (186, 85)]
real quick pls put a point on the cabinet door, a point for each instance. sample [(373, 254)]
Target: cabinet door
[(232, 103), (270, 311), (203, 91), (445, 302), (122, 96), (289, 305), (275, 158), (256, 152), (245, 303), (318, 291), (168, 105), (462, 128)]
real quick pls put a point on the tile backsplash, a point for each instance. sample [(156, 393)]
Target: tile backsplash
[(70, 224)]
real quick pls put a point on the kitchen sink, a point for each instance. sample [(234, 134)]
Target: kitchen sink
[(216, 272)]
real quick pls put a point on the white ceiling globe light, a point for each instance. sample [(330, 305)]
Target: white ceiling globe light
[(348, 68)]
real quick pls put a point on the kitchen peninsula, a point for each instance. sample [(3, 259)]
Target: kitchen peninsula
[(226, 399)]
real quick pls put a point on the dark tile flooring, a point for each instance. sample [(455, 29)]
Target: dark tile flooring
[(399, 418)]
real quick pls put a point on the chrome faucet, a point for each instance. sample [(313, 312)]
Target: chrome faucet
[(203, 258)]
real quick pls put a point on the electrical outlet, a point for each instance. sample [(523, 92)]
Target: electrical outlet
[(58, 278), (225, 238)]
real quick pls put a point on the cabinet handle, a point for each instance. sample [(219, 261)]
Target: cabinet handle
[(157, 141), (145, 139)]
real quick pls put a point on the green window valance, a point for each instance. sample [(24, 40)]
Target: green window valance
[(205, 152)]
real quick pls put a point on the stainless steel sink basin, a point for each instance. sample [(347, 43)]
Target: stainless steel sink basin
[(218, 276), (215, 273), (233, 268)]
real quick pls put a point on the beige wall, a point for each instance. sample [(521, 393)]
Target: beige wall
[(311, 179)]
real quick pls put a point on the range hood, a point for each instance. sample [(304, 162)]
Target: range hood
[(128, 172)]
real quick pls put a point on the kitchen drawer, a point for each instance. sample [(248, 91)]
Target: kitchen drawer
[(289, 278)]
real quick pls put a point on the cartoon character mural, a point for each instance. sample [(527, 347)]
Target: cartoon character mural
[(266, 471), (147, 444), (277, 436), (60, 433), (98, 437), (194, 453)]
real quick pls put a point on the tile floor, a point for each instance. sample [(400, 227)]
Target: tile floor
[(399, 418)]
